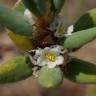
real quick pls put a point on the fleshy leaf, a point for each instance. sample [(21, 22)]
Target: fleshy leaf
[(22, 42), (15, 70), (37, 7), (14, 21), (80, 71), (58, 4), (88, 20), (50, 77), (19, 6), (78, 39)]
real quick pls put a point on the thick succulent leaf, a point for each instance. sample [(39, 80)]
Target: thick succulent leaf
[(19, 6), (50, 77), (37, 7), (14, 21), (78, 39), (22, 42), (80, 71), (58, 4), (15, 70), (88, 20)]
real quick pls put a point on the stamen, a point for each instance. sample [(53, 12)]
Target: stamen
[(62, 28), (49, 56)]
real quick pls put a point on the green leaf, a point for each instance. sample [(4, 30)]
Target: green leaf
[(78, 39), (19, 7), (50, 77), (22, 42), (37, 7), (14, 21), (15, 70), (86, 21), (80, 71), (58, 4)]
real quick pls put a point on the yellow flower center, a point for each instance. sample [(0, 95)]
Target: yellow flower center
[(61, 29), (49, 56)]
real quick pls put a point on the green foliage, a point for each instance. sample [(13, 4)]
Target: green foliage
[(37, 7), (58, 4), (22, 42), (86, 21), (18, 69), (15, 70), (78, 39), (14, 21), (20, 7), (50, 77), (80, 71)]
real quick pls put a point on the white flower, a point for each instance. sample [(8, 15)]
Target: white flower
[(50, 56), (69, 31), (64, 29), (28, 16), (61, 26)]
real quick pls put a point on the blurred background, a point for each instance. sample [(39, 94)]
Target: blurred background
[(73, 9)]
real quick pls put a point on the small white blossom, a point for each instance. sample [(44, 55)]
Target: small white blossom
[(69, 31), (61, 26), (50, 56), (64, 29), (28, 16)]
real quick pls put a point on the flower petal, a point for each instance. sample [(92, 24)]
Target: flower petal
[(56, 49), (42, 63), (59, 60), (28, 16), (38, 53), (51, 64), (46, 49), (70, 30)]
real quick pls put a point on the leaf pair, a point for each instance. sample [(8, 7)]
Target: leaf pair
[(84, 31), (35, 6), (40, 7), (21, 30), (14, 70), (77, 71)]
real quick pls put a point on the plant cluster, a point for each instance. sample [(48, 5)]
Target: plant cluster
[(47, 39)]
